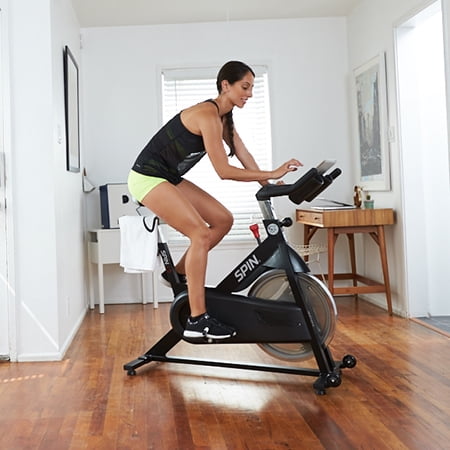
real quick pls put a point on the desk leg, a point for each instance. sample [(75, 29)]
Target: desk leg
[(306, 239), (91, 281), (384, 265), (144, 287), (331, 242), (308, 233), (101, 291), (351, 244), (154, 289)]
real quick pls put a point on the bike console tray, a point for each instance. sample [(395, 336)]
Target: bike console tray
[(311, 184)]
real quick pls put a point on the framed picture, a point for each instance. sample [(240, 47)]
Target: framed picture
[(71, 98), (371, 99)]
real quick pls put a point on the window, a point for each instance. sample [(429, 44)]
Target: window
[(184, 87)]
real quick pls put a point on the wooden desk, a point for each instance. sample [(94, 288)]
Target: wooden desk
[(349, 222)]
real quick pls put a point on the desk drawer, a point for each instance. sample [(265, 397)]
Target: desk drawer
[(104, 246), (345, 217), (107, 255), (309, 217)]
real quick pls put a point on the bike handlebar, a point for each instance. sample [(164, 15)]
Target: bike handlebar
[(308, 187)]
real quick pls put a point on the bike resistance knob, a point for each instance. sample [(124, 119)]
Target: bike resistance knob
[(255, 230)]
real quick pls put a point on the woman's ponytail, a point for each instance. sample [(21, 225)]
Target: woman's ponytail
[(232, 71), (229, 132)]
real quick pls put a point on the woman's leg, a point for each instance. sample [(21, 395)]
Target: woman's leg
[(212, 212), (178, 207), (171, 205)]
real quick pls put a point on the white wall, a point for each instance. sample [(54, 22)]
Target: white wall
[(47, 203), (308, 68), (307, 60), (70, 220)]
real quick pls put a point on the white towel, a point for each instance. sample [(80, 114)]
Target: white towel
[(138, 246)]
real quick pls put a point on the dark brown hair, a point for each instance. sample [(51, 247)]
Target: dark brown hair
[(231, 71)]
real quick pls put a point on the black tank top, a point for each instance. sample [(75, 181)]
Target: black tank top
[(171, 152)]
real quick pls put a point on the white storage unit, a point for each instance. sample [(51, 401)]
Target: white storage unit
[(115, 201)]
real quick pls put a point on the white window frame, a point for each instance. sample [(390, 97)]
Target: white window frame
[(254, 126)]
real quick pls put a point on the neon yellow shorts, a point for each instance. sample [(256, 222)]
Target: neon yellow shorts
[(140, 185)]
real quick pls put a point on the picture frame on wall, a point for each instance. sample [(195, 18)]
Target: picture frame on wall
[(372, 124), (72, 114)]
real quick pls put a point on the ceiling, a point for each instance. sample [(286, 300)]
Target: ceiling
[(103, 13)]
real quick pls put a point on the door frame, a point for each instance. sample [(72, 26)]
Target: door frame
[(7, 295)]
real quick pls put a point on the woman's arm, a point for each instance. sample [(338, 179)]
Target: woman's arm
[(245, 157), (249, 163), (247, 160), (212, 132)]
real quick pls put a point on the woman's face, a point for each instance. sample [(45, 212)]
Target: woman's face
[(240, 91)]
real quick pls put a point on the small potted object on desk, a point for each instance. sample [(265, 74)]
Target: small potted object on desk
[(368, 201)]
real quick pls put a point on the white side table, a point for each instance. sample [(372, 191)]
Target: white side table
[(104, 248)]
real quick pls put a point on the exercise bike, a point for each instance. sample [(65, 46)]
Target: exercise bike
[(287, 311)]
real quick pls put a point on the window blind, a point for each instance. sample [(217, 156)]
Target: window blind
[(182, 88)]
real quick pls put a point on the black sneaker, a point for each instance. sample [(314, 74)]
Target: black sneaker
[(207, 327), (164, 277)]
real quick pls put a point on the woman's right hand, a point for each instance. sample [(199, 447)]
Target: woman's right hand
[(289, 166)]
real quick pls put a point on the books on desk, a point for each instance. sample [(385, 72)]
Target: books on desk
[(323, 204)]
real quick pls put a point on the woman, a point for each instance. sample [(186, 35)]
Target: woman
[(156, 181)]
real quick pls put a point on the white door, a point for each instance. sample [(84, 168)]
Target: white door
[(4, 320)]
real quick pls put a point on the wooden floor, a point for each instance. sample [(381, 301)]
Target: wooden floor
[(397, 397)]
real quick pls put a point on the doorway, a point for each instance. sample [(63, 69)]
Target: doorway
[(423, 138), (4, 283)]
